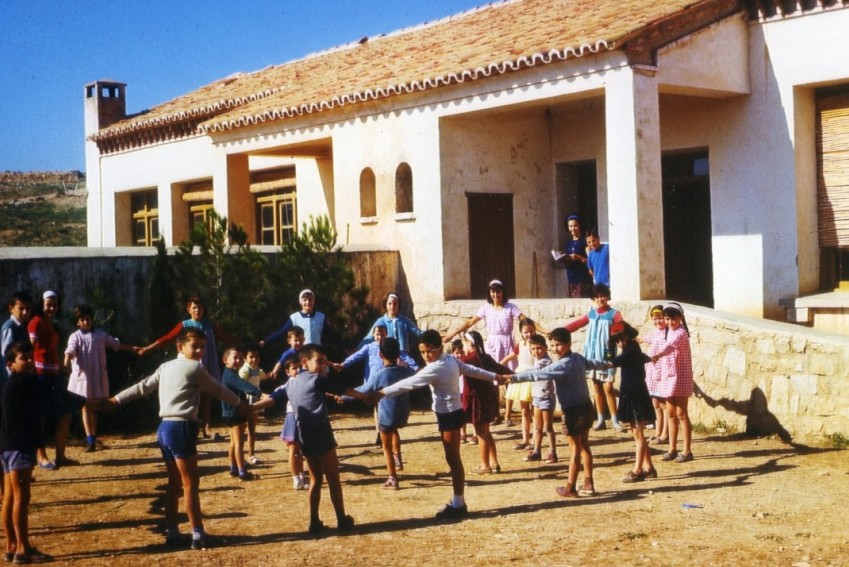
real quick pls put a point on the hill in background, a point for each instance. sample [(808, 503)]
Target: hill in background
[(42, 208)]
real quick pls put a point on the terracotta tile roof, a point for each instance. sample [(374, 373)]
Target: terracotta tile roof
[(494, 39)]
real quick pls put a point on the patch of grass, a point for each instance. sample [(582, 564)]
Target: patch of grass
[(838, 440), (41, 223), (718, 426), (699, 427)]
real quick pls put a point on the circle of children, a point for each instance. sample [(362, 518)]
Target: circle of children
[(538, 371)]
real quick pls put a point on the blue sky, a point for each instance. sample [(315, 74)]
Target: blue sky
[(161, 48)]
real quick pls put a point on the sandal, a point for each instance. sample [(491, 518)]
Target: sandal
[(684, 458), (633, 477), (670, 456), (550, 459), (481, 469), (567, 491), (650, 473), (588, 489)]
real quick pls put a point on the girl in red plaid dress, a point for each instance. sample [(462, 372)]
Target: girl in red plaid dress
[(676, 382)]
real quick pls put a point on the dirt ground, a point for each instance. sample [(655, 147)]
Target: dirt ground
[(757, 502)]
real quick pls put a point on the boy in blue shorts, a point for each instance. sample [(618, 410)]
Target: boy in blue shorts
[(20, 436), (568, 372), (180, 383)]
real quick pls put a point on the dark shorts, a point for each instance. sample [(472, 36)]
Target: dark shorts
[(386, 428), (451, 420), (235, 419), (178, 439), (17, 460), (577, 419), (54, 402), (316, 437)]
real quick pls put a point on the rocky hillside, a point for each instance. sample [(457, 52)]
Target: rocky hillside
[(42, 208)]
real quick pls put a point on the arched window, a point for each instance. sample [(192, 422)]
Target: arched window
[(368, 194), (404, 189)]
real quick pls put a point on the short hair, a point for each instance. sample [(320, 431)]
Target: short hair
[(16, 349), (291, 359), (310, 350), (252, 349), (560, 335), (295, 331), (189, 333), (390, 348), (231, 348), (592, 232), (431, 338), (83, 310), (601, 289), (621, 330), (21, 296), (196, 299), (379, 326), (537, 340), (457, 343)]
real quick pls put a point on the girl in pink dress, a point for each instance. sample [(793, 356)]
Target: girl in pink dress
[(86, 356), (676, 382), (655, 341)]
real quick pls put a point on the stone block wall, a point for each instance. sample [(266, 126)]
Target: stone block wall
[(752, 375)]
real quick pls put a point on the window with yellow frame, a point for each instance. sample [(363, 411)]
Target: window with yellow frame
[(145, 209), (277, 218)]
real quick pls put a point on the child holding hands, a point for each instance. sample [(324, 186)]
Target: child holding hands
[(180, 383), (233, 360), (86, 356), (543, 403), (568, 372), (253, 373)]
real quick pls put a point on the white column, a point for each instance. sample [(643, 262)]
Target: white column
[(634, 193)]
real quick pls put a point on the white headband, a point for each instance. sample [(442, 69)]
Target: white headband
[(49, 293), (496, 283), (305, 292)]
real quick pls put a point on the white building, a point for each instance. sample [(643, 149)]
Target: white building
[(707, 139)]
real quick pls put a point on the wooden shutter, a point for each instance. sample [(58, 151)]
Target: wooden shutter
[(833, 169)]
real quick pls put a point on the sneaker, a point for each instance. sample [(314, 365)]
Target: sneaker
[(305, 482), (633, 477), (34, 556), (47, 466), (399, 464), (234, 473), (532, 456), (90, 448), (391, 482), (199, 543), (551, 459), (599, 425), (247, 475), (252, 460), (670, 456), (345, 524), (567, 491), (449, 512), (684, 458)]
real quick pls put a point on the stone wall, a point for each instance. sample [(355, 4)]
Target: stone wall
[(751, 375)]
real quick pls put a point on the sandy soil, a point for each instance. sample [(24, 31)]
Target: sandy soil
[(758, 502)]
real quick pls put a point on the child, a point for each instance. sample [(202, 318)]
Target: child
[(481, 403), (457, 352), (676, 381), (598, 259), (20, 436), (569, 374), (86, 356), (392, 414), (521, 393), (289, 434), (635, 405), (14, 329), (295, 340), (442, 374), (310, 320), (370, 354), (397, 325), (252, 372), (308, 395), (655, 341), (211, 332), (596, 347), (233, 360), (543, 403), (180, 383)]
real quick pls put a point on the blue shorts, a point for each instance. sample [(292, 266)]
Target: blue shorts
[(178, 439), (451, 420), (544, 403), (17, 460)]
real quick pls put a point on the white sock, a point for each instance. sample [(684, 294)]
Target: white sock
[(458, 501)]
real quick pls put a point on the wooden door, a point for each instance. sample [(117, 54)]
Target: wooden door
[(490, 242)]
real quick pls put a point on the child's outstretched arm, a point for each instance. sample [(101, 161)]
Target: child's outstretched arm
[(470, 322)]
